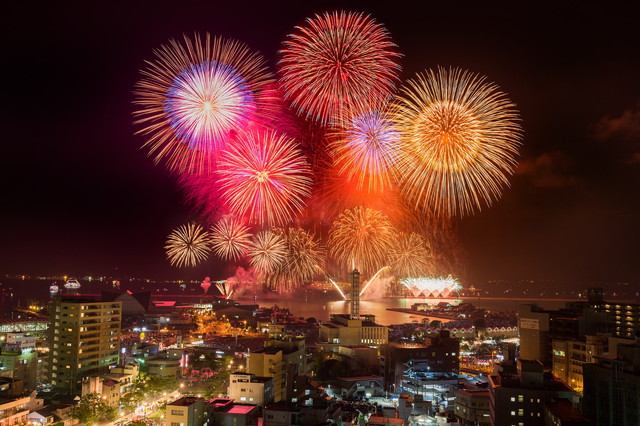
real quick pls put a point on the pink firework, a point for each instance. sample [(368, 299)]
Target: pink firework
[(264, 178), (337, 64), (366, 151), (195, 95)]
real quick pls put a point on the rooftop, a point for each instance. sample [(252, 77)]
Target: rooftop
[(185, 401), (376, 419), (563, 410)]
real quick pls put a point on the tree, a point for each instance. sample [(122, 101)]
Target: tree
[(93, 409)]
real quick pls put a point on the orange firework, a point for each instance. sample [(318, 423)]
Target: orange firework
[(459, 139), (361, 238)]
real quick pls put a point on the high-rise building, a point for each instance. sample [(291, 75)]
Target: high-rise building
[(538, 327), (517, 393), (18, 356), (355, 294), (612, 387), (570, 355), (84, 338)]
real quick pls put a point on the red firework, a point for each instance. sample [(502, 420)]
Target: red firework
[(339, 63), (264, 177)]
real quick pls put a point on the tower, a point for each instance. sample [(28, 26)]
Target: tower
[(355, 294)]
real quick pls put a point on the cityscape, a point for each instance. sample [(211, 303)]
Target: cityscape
[(312, 214)]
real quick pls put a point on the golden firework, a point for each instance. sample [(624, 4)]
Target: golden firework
[(459, 139), (187, 245)]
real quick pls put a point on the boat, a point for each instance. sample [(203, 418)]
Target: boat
[(53, 288), (72, 284)]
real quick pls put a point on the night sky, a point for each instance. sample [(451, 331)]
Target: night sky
[(80, 196)]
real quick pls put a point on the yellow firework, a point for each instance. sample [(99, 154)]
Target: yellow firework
[(230, 238), (187, 245), (410, 256), (459, 139), (304, 258), (267, 252), (361, 238)]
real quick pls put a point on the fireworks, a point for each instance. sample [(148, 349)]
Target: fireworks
[(264, 178), (367, 151), (195, 95), (187, 245), (305, 256), (339, 63), (459, 139), (409, 255), (432, 287), (361, 238), (267, 252), (230, 239)]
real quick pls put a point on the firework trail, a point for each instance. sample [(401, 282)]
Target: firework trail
[(264, 178), (361, 238), (337, 64), (459, 139), (230, 239), (187, 245), (195, 95)]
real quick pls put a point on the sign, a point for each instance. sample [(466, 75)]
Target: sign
[(531, 324)]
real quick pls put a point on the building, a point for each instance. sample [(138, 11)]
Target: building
[(14, 411), (624, 318), (439, 353), (283, 359), (569, 356), (19, 357), (227, 413), (109, 389), (472, 406), (517, 393), (251, 389), (187, 411), (538, 327), (562, 413), (361, 386), (612, 387), (348, 331), (163, 365), (84, 337)]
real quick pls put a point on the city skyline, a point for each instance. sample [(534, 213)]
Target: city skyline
[(81, 195)]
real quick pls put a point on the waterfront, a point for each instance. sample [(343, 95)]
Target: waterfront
[(318, 305)]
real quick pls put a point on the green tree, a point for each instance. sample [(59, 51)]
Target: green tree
[(93, 409)]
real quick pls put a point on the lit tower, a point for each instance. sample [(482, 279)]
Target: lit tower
[(355, 294)]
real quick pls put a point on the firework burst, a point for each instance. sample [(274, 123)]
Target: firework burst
[(187, 245), (366, 151), (305, 257), (264, 178), (338, 63), (230, 239), (459, 139), (409, 256), (267, 252), (361, 238), (193, 96)]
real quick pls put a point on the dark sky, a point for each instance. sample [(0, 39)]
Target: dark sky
[(79, 196)]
